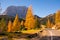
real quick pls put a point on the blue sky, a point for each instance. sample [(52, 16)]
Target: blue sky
[(40, 7)]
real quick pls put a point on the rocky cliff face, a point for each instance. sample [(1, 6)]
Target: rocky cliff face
[(13, 10)]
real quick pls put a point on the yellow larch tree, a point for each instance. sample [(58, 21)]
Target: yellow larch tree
[(9, 26), (16, 23), (57, 17), (29, 22), (48, 23)]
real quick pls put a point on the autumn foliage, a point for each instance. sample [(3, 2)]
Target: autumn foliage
[(29, 22), (9, 26), (16, 23), (48, 24), (57, 17)]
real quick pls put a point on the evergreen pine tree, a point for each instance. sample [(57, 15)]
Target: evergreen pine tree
[(3, 25), (37, 23)]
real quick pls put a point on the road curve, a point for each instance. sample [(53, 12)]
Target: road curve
[(50, 34)]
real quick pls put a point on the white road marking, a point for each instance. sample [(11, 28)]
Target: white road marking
[(50, 34)]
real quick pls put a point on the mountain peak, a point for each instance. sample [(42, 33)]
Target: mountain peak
[(13, 10)]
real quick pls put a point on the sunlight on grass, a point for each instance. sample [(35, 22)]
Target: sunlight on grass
[(30, 31)]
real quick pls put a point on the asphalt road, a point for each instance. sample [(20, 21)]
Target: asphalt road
[(50, 34)]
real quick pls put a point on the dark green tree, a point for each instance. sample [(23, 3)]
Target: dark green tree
[(3, 25), (37, 23)]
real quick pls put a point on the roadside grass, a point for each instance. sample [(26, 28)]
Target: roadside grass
[(32, 31)]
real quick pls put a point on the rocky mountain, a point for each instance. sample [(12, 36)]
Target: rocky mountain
[(22, 10), (13, 10), (51, 17)]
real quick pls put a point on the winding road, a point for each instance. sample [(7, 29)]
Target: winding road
[(51, 34)]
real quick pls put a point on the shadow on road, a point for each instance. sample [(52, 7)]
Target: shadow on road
[(49, 38)]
